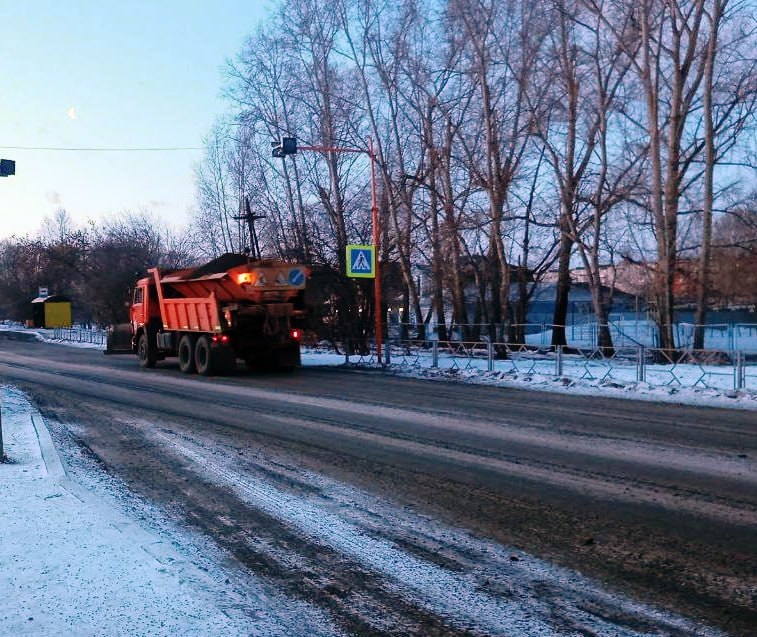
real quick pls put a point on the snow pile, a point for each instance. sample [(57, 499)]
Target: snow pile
[(608, 388)]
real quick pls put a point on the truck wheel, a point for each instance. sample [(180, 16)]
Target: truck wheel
[(204, 356), (187, 354), (146, 352)]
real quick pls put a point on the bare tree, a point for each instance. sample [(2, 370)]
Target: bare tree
[(734, 256), (729, 94), (215, 229), (671, 46), (380, 49), (664, 47), (603, 178), (500, 40), (567, 124)]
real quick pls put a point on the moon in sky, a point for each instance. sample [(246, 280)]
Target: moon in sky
[(72, 112)]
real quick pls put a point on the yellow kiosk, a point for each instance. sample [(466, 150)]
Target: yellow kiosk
[(51, 311)]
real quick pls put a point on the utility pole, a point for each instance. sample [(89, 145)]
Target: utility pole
[(7, 168), (251, 219)]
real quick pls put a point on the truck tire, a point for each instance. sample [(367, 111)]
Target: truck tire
[(187, 354), (204, 357), (146, 352)]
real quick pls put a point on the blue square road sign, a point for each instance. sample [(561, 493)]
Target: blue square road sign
[(361, 261)]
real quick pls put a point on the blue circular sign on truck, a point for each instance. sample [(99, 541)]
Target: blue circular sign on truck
[(296, 277)]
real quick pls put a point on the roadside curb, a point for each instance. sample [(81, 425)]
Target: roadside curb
[(53, 463)]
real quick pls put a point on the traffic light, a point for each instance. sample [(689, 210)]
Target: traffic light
[(7, 167), (286, 146)]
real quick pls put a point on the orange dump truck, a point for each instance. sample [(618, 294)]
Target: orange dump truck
[(231, 308)]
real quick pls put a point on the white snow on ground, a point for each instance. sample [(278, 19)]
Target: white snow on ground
[(72, 563), (607, 388), (346, 520)]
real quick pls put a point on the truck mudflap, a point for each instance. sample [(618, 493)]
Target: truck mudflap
[(287, 358), (119, 339)]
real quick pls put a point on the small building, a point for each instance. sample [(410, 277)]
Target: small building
[(51, 311), (580, 304)]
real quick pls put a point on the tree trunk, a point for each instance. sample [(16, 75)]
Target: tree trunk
[(560, 316), (521, 308), (452, 236), (602, 314), (703, 283), (437, 256)]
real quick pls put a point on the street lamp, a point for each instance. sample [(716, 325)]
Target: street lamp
[(288, 146)]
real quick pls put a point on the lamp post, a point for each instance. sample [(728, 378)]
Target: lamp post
[(288, 146)]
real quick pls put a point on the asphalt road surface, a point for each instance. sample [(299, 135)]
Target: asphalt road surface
[(657, 502)]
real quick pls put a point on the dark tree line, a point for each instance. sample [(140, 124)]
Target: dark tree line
[(95, 267)]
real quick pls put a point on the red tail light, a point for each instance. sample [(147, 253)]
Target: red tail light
[(296, 334), (222, 338)]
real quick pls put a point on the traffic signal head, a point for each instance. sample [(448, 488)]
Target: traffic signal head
[(289, 145), (7, 167), (286, 146)]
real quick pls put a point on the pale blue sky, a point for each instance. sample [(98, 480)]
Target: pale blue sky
[(136, 74)]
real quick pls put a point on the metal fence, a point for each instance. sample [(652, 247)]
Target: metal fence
[(706, 369), (80, 335)]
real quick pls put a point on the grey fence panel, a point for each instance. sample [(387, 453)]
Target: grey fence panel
[(705, 369), (80, 335)]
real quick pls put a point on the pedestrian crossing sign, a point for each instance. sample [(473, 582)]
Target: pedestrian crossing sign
[(361, 261)]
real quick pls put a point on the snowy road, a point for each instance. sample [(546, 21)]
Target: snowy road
[(394, 504)]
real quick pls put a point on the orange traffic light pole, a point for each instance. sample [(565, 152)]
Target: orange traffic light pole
[(374, 217)]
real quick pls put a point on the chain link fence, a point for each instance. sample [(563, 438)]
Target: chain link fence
[(707, 369)]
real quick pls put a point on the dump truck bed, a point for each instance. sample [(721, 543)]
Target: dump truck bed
[(191, 315)]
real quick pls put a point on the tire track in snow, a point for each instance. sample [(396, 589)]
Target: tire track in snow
[(451, 595)]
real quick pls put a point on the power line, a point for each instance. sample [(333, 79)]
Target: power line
[(106, 150)]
